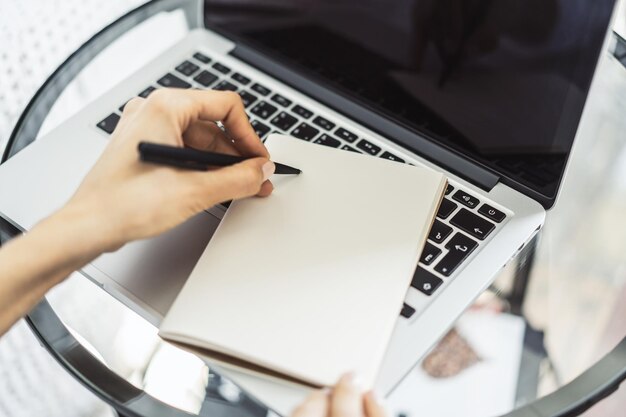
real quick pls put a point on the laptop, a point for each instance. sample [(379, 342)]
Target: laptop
[(489, 94)]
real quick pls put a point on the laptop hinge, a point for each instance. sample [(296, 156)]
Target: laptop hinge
[(453, 162)]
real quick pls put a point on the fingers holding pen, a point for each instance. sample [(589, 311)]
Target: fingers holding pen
[(189, 106), (190, 116), (208, 136), (241, 180), (236, 123)]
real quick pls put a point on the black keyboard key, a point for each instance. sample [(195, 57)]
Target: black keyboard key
[(221, 68), (461, 243), (429, 254), (264, 110), (446, 208), (425, 281), (323, 123), (407, 311), (123, 106), (202, 58), (304, 131), (494, 214), (302, 112), (391, 157), (170, 80), (241, 79), (327, 141), (459, 248), (283, 101), (187, 68), (205, 78), (284, 121), (109, 123), (449, 189), (439, 232), (260, 128), (368, 147), (260, 89), (346, 135), (145, 93), (225, 86), (247, 98), (350, 148), (472, 224), (466, 199)]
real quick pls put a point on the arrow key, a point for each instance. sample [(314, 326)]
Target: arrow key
[(472, 224), (462, 244), (459, 248)]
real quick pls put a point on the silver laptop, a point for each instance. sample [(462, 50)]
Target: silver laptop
[(491, 96)]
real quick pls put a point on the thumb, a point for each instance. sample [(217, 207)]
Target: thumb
[(316, 405), (238, 181)]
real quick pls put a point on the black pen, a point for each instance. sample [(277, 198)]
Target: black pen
[(194, 159)]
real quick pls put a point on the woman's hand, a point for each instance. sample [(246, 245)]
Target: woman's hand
[(345, 400), (123, 199), (134, 200)]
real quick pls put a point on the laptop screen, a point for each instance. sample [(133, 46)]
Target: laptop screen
[(502, 82)]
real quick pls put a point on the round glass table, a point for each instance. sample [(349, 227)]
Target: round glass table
[(546, 339)]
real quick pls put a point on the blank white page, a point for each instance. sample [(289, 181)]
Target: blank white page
[(309, 281)]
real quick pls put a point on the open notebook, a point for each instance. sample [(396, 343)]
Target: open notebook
[(308, 283)]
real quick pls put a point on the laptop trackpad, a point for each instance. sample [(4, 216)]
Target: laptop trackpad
[(154, 270)]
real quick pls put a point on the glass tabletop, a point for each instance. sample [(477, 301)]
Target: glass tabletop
[(546, 319)]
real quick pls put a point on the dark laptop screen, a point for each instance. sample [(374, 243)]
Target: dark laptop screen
[(501, 81)]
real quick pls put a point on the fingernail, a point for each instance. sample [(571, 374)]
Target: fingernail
[(268, 170), (353, 379), (377, 399)]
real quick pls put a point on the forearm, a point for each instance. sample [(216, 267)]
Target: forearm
[(33, 263), (122, 199)]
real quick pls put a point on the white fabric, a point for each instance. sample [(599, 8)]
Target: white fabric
[(37, 35)]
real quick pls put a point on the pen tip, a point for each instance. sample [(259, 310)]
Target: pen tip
[(286, 169)]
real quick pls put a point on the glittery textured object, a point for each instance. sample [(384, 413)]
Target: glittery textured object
[(452, 355)]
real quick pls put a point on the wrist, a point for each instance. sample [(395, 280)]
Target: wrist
[(58, 245), (81, 231)]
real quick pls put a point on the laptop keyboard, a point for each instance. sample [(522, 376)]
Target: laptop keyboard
[(463, 221)]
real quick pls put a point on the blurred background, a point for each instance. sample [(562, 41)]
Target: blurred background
[(577, 295)]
